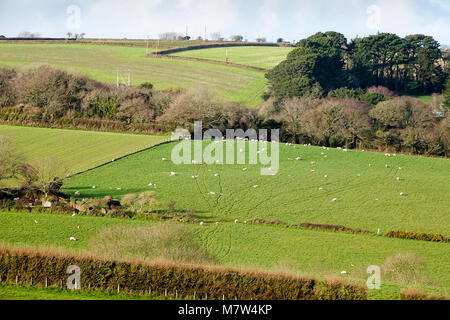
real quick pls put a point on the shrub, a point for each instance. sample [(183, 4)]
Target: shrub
[(7, 90), (417, 236), (372, 98), (53, 90), (404, 268), (402, 112), (411, 294), (168, 242), (381, 90)]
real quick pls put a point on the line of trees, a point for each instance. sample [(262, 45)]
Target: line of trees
[(373, 118), (327, 61)]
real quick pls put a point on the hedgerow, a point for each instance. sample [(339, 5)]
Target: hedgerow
[(40, 268), (417, 236)]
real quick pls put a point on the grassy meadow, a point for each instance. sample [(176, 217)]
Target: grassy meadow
[(11, 292), (367, 192), (262, 57), (78, 150), (101, 62), (257, 247), (364, 183)]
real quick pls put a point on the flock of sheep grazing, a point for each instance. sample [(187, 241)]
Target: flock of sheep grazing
[(299, 158)]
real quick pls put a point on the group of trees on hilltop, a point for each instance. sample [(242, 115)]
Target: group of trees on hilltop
[(327, 61)]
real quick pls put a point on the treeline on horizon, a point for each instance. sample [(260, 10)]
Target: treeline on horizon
[(328, 61)]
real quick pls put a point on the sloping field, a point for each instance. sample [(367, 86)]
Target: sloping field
[(267, 248), (367, 192), (78, 150), (101, 62), (261, 57)]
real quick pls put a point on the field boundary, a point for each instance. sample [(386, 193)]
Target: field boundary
[(139, 150), (229, 64), (223, 45), (45, 268)]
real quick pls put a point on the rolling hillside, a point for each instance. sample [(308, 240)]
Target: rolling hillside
[(78, 150), (101, 62)]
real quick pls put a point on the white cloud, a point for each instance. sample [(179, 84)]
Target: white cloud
[(403, 18), (269, 16)]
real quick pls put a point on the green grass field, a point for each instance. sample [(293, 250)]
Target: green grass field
[(262, 57), (368, 193), (269, 248), (10, 292), (78, 150), (100, 62)]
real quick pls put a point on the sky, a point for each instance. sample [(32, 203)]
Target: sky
[(291, 20)]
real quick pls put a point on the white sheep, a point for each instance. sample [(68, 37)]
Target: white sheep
[(298, 158), (334, 200), (77, 193), (212, 193), (244, 169), (236, 221), (344, 272), (72, 239), (173, 174), (202, 223), (164, 159)]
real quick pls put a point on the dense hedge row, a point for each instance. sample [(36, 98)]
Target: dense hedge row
[(311, 226), (417, 236), (44, 268)]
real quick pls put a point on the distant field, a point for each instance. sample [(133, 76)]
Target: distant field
[(368, 193), (78, 150), (100, 62), (262, 57)]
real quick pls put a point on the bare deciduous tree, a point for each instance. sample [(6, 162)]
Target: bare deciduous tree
[(10, 160), (46, 175)]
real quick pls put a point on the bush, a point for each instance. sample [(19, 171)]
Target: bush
[(163, 242), (417, 236), (7, 90), (410, 294), (372, 98), (404, 268), (52, 90), (185, 280), (399, 113)]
